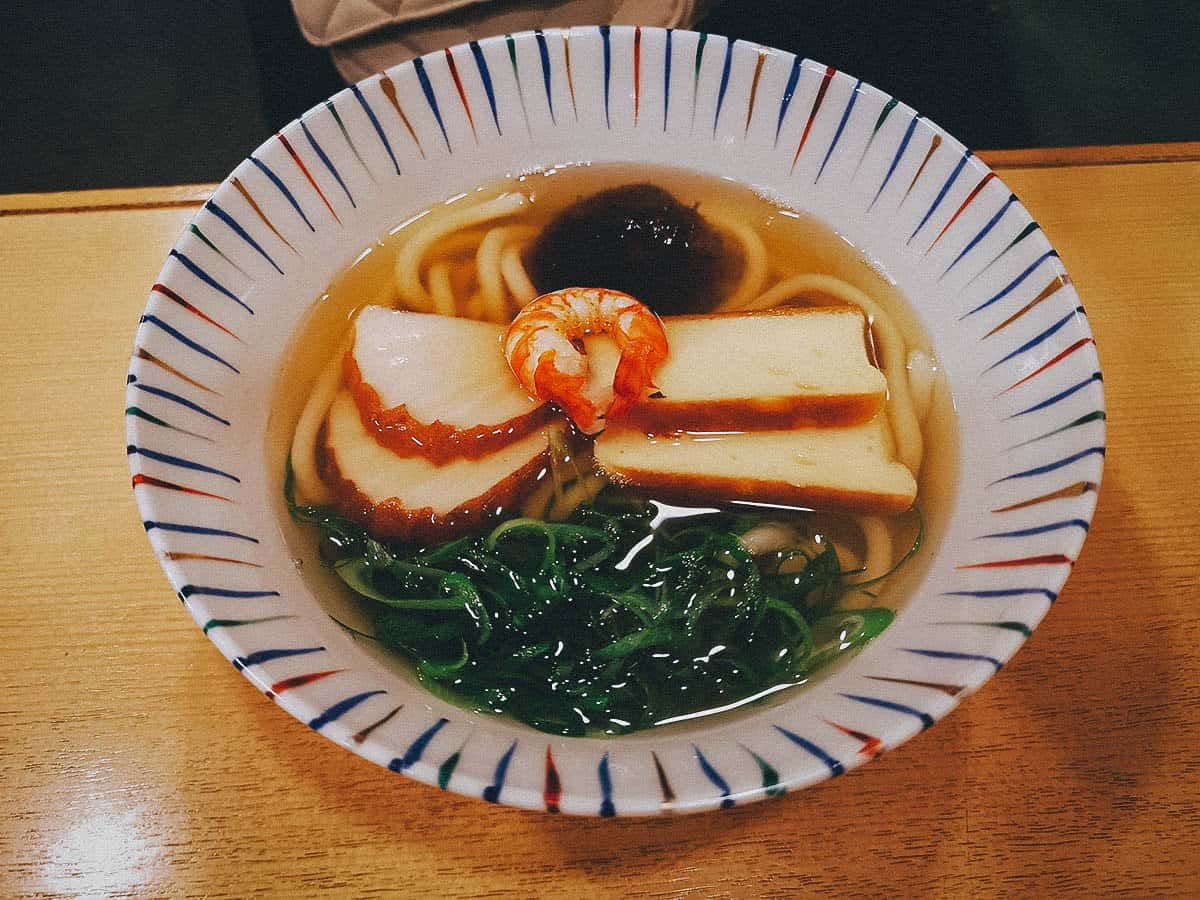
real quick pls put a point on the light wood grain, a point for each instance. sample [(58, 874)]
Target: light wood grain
[(136, 762), (106, 200)]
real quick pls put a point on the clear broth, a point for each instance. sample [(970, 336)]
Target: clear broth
[(796, 244)]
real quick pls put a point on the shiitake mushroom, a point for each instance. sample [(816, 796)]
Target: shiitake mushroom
[(639, 239)]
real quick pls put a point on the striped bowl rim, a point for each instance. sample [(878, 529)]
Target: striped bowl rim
[(991, 291)]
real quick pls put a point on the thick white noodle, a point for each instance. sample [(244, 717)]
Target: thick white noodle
[(754, 262), (515, 276), (769, 537), (310, 489), (462, 242), (581, 491), (878, 540), (412, 250), (889, 343), (922, 374), (847, 558), (487, 267), (473, 308), (537, 504), (440, 289)]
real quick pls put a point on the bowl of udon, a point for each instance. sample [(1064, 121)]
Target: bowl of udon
[(615, 421)]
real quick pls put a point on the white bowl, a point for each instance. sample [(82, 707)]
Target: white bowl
[(989, 289)]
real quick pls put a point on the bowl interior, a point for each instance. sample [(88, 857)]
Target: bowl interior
[(982, 278)]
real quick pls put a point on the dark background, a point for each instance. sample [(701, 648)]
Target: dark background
[(141, 93)]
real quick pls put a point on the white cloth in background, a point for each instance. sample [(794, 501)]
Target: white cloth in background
[(366, 36)]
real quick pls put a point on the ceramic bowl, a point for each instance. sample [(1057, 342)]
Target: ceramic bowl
[(988, 287)]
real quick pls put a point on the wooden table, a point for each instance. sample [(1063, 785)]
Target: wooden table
[(134, 761)]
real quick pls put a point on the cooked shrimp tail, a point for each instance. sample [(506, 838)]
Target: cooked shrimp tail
[(633, 377), (565, 389), (543, 346)]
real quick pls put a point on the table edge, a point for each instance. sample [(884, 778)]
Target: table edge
[(194, 195)]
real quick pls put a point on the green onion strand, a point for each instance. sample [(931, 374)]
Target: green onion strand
[(610, 621)]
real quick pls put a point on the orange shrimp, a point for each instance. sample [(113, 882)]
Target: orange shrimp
[(543, 349)]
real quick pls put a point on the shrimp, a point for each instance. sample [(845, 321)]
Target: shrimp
[(543, 347)]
